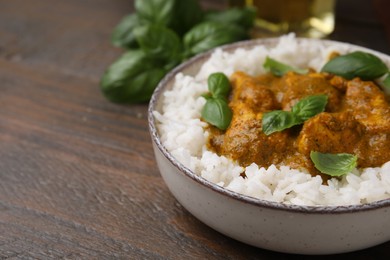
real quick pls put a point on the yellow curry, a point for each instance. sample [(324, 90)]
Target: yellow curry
[(356, 121)]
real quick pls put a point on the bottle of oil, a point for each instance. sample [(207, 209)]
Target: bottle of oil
[(307, 18)]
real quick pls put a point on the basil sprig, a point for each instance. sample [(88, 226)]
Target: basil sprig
[(131, 78), (279, 69), (335, 165), (165, 33), (242, 16), (123, 35), (210, 34), (356, 64), (216, 111), (279, 120)]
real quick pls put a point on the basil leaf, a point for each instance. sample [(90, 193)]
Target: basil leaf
[(159, 41), (334, 164), (386, 84), (309, 107), (356, 64), (123, 35), (278, 120), (132, 78), (188, 13), (279, 69), (156, 11), (218, 84), (244, 17), (217, 112), (208, 35), (207, 95)]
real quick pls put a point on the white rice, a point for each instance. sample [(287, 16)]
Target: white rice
[(183, 134)]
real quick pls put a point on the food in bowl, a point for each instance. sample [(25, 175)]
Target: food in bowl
[(264, 131), (243, 159), (198, 178)]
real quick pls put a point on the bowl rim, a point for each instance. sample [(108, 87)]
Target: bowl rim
[(321, 209)]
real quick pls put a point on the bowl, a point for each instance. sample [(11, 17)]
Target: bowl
[(265, 224)]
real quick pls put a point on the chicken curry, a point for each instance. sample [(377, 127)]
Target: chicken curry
[(356, 120)]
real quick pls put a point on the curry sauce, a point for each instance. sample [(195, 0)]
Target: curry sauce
[(356, 120)]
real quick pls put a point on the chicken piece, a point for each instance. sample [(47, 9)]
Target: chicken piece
[(251, 92), (330, 133), (356, 121), (368, 104), (245, 142), (296, 87), (339, 82), (373, 150)]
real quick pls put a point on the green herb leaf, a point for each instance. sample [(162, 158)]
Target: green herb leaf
[(309, 107), (386, 84), (218, 84), (156, 11), (334, 164), (244, 17), (279, 69), (159, 41), (356, 64), (123, 35), (208, 35), (217, 112), (132, 78), (207, 95), (278, 120), (159, 35), (188, 13), (177, 15)]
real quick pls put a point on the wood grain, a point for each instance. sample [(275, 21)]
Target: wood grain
[(78, 178)]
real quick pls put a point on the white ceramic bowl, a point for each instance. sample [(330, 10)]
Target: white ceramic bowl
[(269, 225)]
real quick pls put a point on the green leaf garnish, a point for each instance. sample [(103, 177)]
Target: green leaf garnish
[(207, 95), (309, 106), (279, 69), (386, 84), (279, 120), (218, 84), (216, 111), (356, 64), (335, 165)]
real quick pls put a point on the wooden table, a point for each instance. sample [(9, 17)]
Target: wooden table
[(78, 178)]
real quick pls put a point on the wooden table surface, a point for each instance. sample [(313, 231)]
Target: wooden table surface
[(78, 178)]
